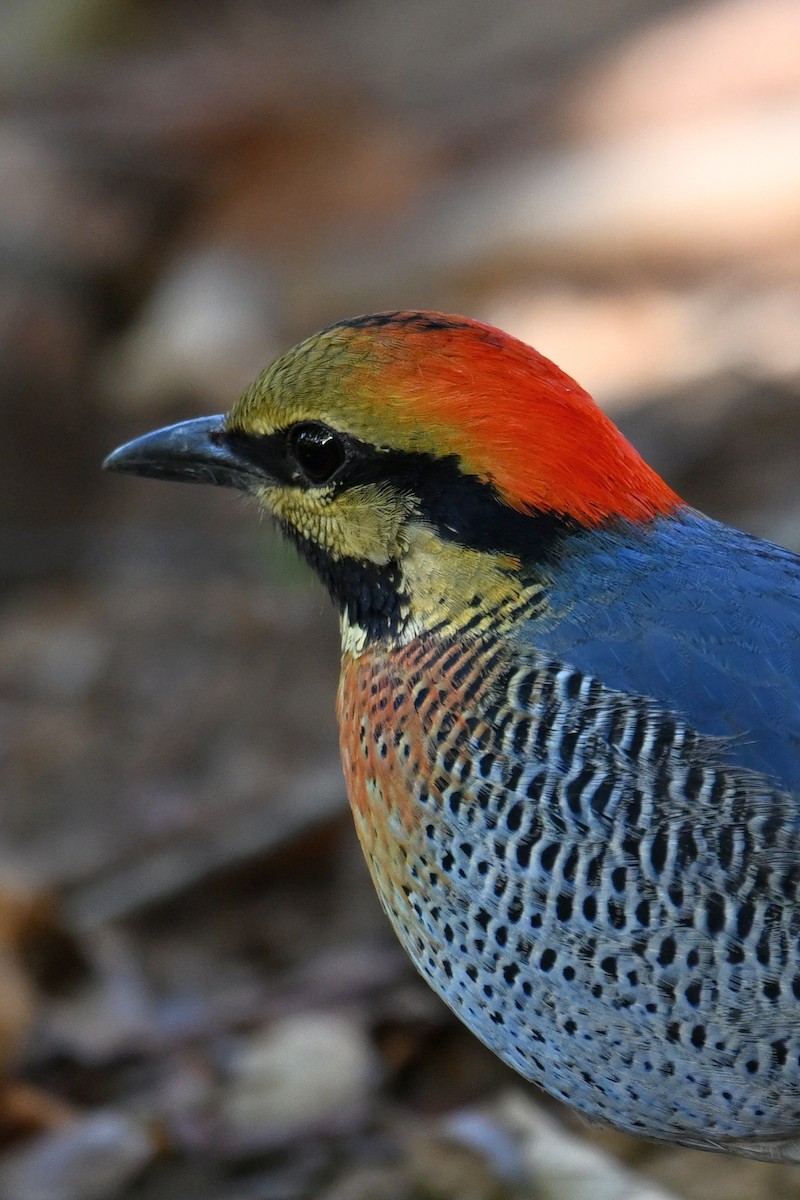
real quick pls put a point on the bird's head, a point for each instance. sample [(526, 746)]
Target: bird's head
[(418, 460)]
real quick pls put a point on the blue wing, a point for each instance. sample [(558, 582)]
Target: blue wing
[(701, 617)]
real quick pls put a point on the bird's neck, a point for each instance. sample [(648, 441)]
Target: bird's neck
[(440, 588)]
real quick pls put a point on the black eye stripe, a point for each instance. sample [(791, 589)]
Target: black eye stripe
[(460, 507), (289, 456)]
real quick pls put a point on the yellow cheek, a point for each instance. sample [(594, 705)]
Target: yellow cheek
[(364, 523)]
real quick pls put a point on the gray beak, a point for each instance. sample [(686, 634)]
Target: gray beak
[(199, 451)]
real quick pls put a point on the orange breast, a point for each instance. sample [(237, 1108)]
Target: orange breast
[(399, 713)]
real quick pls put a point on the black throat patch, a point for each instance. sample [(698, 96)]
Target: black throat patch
[(370, 595)]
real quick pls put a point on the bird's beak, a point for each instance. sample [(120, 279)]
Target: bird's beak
[(199, 451)]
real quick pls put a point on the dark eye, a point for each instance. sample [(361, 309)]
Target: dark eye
[(319, 451)]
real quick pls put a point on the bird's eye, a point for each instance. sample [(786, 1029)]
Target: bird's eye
[(319, 451)]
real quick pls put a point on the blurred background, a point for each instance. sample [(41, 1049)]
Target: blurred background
[(199, 997)]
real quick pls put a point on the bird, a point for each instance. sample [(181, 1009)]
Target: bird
[(569, 713)]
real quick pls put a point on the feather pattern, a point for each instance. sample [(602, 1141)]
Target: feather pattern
[(700, 617), (596, 888)]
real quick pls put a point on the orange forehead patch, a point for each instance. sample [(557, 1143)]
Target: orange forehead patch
[(511, 415)]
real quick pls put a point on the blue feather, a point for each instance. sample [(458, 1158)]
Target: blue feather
[(702, 618)]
